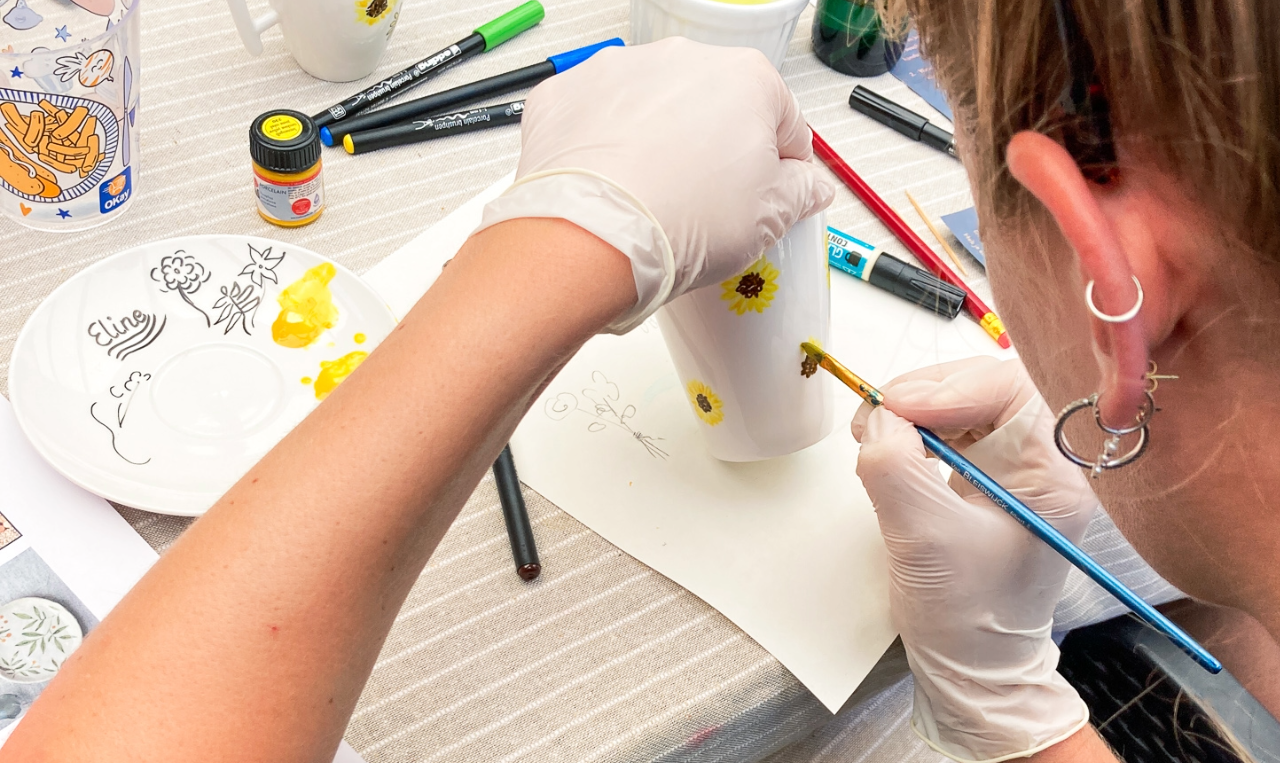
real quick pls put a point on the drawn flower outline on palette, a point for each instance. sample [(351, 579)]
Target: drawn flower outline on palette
[(238, 305), (262, 266), (184, 274), (603, 395), (752, 289), (706, 403)]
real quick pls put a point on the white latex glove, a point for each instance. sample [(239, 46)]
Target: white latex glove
[(690, 159), (972, 591)]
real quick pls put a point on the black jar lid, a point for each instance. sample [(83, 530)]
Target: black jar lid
[(284, 141)]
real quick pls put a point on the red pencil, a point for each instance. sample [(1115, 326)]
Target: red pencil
[(989, 321)]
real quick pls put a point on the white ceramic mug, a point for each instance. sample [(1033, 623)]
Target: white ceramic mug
[(334, 40), (767, 27), (736, 348)]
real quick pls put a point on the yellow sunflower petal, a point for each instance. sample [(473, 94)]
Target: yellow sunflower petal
[(706, 403)]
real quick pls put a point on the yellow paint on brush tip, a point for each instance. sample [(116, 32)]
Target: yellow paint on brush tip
[(306, 308), (333, 372)]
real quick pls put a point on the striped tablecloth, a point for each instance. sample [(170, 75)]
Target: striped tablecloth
[(602, 658)]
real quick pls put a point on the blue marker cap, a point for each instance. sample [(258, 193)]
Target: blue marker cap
[(326, 137), (565, 61)]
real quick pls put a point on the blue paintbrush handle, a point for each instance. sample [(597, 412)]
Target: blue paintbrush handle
[(1058, 542)]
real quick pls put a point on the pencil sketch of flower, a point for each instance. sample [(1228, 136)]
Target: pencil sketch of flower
[(753, 289), (262, 266), (603, 395), (237, 304), (183, 274)]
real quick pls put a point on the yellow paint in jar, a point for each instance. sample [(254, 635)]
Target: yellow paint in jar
[(334, 372), (306, 308), (285, 146)]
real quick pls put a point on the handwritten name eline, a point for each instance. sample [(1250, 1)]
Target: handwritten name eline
[(121, 337)]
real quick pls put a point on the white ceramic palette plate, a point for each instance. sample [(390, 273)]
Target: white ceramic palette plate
[(157, 377)]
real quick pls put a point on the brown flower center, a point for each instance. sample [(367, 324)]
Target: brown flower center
[(750, 285), (376, 8), (808, 366), (703, 403)]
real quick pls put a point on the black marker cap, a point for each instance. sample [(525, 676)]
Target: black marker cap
[(916, 285), (284, 141)]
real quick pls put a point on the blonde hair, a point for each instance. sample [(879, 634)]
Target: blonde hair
[(1194, 85)]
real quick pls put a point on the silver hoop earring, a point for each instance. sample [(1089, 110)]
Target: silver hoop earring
[(1124, 317), (1110, 457)]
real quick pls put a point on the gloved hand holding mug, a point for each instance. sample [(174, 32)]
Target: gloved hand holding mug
[(690, 159)]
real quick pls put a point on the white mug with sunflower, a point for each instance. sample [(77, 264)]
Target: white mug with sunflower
[(736, 348), (334, 40)]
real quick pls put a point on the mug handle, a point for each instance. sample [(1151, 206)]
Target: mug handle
[(251, 29)]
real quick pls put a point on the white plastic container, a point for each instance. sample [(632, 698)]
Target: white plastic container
[(767, 27), (736, 348)]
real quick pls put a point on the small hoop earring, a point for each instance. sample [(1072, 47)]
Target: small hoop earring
[(1110, 457), (1124, 317)]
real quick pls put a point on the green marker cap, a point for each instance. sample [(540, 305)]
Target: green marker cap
[(510, 24)]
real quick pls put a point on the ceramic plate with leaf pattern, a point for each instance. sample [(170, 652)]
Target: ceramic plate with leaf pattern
[(36, 637), (158, 376)]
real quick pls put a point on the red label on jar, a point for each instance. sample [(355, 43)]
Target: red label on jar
[(301, 206)]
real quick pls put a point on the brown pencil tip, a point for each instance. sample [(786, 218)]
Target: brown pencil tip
[(529, 571)]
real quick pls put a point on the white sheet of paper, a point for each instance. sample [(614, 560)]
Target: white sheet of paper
[(787, 549), (87, 545)]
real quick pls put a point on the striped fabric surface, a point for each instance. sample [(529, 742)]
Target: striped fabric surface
[(601, 659)]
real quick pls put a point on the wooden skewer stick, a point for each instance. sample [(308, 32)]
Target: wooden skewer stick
[(941, 241)]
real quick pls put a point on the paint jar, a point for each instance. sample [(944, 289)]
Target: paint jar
[(766, 26), (849, 37), (68, 111), (287, 179), (736, 349)]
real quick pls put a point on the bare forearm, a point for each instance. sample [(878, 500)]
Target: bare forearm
[(1084, 746), (252, 638)]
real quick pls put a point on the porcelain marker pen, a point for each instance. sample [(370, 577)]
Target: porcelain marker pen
[(879, 268), (484, 38), (462, 95), (430, 128)]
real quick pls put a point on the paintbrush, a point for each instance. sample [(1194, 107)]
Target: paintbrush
[(1025, 516)]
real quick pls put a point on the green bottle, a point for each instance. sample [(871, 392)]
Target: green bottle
[(848, 37)]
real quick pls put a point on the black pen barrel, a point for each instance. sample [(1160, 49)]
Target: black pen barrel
[(444, 100), (435, 126), (402, 81), (519, 531)]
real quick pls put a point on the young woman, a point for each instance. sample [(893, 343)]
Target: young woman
[(256, 650), (1126, 166)]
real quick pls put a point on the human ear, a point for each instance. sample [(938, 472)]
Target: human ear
[(1111, 264)]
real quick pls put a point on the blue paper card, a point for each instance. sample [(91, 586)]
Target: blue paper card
[(917, 73), (965, 225)]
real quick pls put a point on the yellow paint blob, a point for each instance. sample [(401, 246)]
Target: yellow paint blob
[(333, 372), (306, 308), (360, 338), (306, 380)]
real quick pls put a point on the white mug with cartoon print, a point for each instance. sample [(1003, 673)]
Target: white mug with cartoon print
[(334, 40), (68, 111), (736, 348)]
